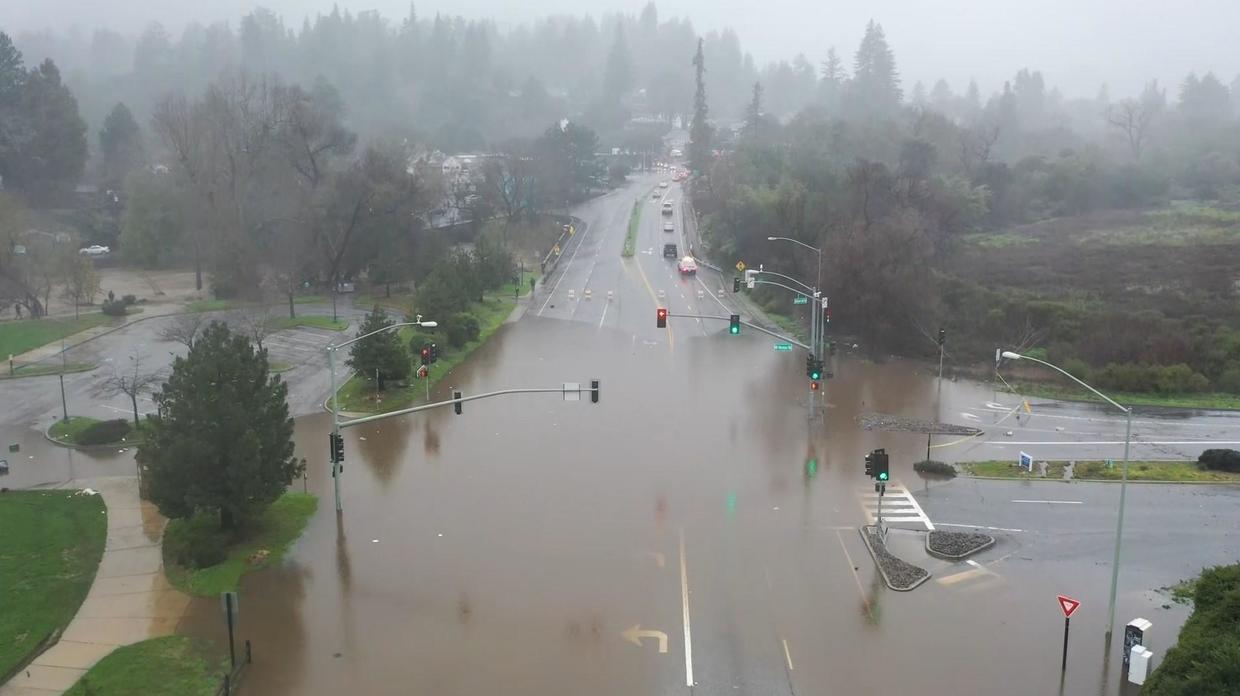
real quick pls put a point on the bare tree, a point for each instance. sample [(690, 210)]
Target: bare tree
[(253, 321), (80, 280), (182, 133), (977, 143), (131, 382), (1133, 117), (184, 329)]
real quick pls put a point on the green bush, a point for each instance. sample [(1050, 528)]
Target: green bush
[(463, 328), (1077, 368), (1206, 658), (1229, 381), (416, 341), (129, 299), (1162, 379), (114, 308), (197, 542), (104, 432), (1220, 460), (930, 466)]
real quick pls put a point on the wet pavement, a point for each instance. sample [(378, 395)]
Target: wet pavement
[(671, 538)]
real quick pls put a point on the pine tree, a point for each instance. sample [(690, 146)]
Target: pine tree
[(618, 75), (120, 144), (875, 84), (753, 113), (223, 442), (699, 129), (382, 354)]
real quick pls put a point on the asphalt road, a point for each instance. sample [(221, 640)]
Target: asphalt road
[(671, 539)]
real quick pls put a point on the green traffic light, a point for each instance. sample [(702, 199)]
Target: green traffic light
[(811, 467), (882, 476), (734, 329), (815, 375)]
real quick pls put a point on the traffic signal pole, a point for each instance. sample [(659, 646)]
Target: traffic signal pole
[(751, 325), (331, 367)]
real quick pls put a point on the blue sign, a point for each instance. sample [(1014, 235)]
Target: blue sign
[(1026, 462)]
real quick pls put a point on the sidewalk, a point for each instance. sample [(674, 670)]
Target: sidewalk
[(129, 601), (52, 349)]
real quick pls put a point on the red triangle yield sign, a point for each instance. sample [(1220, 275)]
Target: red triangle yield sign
[(1068, 605)]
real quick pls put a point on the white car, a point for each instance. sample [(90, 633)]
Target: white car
[(95, 250), (687, 266), (669, 227), (662, 184)]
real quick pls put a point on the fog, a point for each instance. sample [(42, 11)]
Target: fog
[(1078, 46)]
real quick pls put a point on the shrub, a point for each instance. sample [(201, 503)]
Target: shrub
[(1163, 379), (1229, 381), (1206, 658), (416, 341), (1220, 460), (1077, 368), (463, 328), (129, 299), (929, 466), (114, 308), (104, 432), (197, 542)]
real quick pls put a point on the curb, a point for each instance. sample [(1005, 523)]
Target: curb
[(47, 434), (957, 557), (87, 368), (865, 538), (1079, 480)]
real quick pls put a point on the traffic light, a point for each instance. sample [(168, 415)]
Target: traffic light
[(827, 314), (942, 336), (736, 285), (660, 318), (881, 473), (734, 324), (456, 396), (426, 354), (869, 465), (813, 368), (335, 447), (811, 467), (813, 386), (434, 352), (594, 391)]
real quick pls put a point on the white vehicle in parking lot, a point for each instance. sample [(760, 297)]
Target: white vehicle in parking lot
[(94, 250)]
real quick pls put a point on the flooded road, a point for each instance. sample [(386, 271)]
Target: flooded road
[(515, 548)]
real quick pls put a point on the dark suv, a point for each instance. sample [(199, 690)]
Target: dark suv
[(669, 251)]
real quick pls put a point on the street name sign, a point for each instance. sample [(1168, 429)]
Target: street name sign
[(800, 299), (782, 347)]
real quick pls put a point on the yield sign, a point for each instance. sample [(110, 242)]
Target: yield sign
[(1068, 605)]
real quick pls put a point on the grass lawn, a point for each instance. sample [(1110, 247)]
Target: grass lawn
[(50, 546), (43, 369), (278, 366), (1008, 469), (630, 239), (168, 666), (314, 321), (279, 527), (1150, 471), (358, 394), (220, 305), (1066, 393), (17, 337)]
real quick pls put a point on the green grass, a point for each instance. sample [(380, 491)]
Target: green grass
[(358, 394), (1067, 393), (279, 526), (17, 337), (1008, 469), (998, 240), (313, 321), (43, 369), (168, 666), (68, 430), (1182, 592), (278, 366), (50, 546), (1150, 471), (630, 239), (1096, 470)]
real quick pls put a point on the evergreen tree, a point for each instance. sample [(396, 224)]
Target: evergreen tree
[(120, 144), (699, 129), (381, 354), (618, 74), (42, 137), (876, 84), (753, 112), (223, 442)]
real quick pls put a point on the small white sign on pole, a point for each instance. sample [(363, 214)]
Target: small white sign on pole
[(1026, 462), (572, 391)]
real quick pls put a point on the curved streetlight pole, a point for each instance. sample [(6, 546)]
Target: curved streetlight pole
[(1123, 487), (817, 284), (331, 367)]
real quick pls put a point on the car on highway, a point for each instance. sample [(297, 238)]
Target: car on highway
[(670, 251), (663, 184), (94, 250), (669, 227), (667, 207), (687, 266), (655, 194)]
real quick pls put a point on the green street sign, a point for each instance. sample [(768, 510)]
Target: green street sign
[(783, 347), (800, 299)]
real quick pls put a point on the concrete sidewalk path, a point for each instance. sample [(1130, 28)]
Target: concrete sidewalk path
[(129, 601)]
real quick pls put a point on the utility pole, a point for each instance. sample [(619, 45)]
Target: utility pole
[(64, 403)]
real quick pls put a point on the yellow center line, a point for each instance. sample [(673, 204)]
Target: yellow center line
[(671, 338), (853, 569)]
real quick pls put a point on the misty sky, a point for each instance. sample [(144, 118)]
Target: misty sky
[(1078, 44)]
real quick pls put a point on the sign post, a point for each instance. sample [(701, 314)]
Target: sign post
[(1026, 462), (1068, 606), (229, 600)]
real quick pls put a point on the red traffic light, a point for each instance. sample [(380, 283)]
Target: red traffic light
[(813, 386), (661, 318)]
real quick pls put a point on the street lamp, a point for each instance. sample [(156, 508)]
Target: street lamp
[(331, 367), (1123, 487), (817, 286)]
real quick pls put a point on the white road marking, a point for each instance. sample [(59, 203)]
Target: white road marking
[(978, 526), (962, 576), (853, 568), (899, 505), (684, 604), (1051, 502), (1113, 442), (787, 655), (604, 317), (566, 267)]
